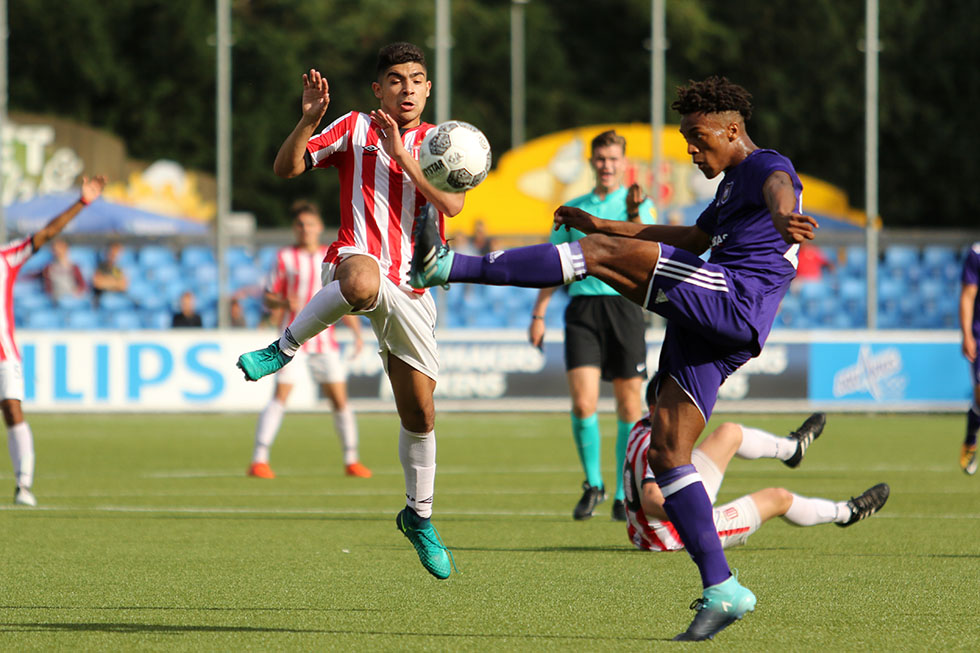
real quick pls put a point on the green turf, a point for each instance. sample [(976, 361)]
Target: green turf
[(150, 537)]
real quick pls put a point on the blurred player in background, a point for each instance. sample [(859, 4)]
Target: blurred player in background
[(604, 331), (291, 284), (20, 441), (970, 326), (650, 529), (366, 269), (719, 313)]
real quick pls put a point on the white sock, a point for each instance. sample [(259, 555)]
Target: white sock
[(809, 511), (324, 308), (346, 426), (20, 443), (572, 262), (757, 443), (417, 452), (266, 429)]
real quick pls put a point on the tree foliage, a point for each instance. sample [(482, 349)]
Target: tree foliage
[(144, 69)]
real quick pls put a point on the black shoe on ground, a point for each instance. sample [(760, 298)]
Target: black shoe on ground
[(867, 504), (591, 497), (619, 510), (809, 431)]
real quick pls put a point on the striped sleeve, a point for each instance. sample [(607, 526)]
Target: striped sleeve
[(326, 147)]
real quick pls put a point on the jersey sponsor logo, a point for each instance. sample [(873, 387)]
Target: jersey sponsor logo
[(726, 192), (371, 149), (718, 240)]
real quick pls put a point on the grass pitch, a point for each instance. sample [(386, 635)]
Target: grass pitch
[(150, 537)]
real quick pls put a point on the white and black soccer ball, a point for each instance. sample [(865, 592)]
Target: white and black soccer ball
[(455, 156)]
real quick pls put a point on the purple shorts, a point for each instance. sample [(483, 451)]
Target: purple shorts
[(975, 370), (708, 336)]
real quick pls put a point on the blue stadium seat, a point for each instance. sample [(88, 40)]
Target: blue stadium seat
[(244, 275), (937, 255), (856, 260), (115, 301), (209, 318), (237, 256), (201, 273), (195, 255), (152, 300), (36, 263), (890, 289), (156, 319), (123, 319), (44, 319), (151, 256), (902, 255), (72, 303), (86, 319), (266, 257), (168, 273), (86, 258)]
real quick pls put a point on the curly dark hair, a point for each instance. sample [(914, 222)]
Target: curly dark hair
[(713, 95), (399, 52), (302, 206)]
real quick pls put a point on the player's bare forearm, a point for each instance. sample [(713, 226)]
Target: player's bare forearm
[(290, 158), (780, 198), (968, 296), (91, 190), (449, 204), (274, 300)]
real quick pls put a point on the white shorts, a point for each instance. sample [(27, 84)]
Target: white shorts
[(326, 367), (735, 520), (11, 380), (404, 324)]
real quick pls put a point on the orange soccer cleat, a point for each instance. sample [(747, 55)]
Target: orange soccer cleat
[(358, 470), (261, 470)]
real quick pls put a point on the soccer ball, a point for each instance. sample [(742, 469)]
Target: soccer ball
[(455, 156)]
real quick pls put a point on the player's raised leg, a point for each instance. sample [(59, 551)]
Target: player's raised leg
[(354, 288), (417, 451)]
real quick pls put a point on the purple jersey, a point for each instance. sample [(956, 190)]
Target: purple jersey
[(745, 242), (971, 277)]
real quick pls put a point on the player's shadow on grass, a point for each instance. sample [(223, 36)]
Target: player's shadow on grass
[(168, 629)]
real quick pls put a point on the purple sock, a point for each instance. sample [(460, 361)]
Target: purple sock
[(535, 266), (972, 424), (690, 511)]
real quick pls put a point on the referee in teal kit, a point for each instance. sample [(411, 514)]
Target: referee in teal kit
[(603, 330)]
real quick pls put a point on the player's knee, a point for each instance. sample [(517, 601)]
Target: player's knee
[(418, 420), (783, 499), (360, 290)]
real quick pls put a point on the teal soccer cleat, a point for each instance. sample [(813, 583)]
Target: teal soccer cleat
[(720, 606), (431, 258), (433, 554), (262, 362)]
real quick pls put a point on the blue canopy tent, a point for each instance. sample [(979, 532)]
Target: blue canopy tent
[(101, 216)]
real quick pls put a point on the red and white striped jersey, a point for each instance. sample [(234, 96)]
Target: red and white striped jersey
[(297, 274), (379, 202), (14, 254), (645, 533)]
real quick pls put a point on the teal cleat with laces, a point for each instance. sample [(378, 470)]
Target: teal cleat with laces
[(433, 554), (720, 606), (262, 362), (431, 259)]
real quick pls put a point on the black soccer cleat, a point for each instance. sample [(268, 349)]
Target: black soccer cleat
[(618, 510), (866, 504), (809, 431), (591, 497)]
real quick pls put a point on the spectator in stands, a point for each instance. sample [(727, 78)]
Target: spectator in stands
[(236, 314), (109, 277), (188, 315), (811, 264), (62, 277), (481, 241)]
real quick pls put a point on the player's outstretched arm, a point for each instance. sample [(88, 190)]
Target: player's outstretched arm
[(316, 98), (449, 204), (690, 238), (91, 190), (781, 199), (968, 296)]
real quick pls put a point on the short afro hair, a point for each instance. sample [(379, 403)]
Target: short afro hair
[(400, 52), (713, 95)]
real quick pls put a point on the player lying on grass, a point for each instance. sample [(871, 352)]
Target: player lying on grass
[(650, 529)]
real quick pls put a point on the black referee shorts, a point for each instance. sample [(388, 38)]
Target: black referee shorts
[(606, 331)]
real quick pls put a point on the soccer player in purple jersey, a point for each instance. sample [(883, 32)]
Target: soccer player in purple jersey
[(718, 312), (970, 326)]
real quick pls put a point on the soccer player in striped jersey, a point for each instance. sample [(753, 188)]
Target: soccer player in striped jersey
[(649, 528), (365, 271), (719, 312), (292, 282), (970, 328), (13, 255)]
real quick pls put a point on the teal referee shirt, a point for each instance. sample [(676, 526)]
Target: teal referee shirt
[(613, 207)]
